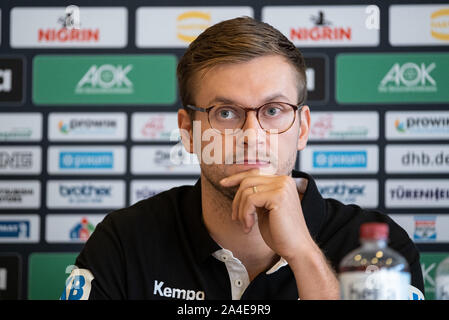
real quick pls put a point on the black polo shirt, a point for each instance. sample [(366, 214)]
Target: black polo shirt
[(159, 248)]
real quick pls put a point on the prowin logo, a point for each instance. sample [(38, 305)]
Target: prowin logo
[(422, 124), (176, 293)]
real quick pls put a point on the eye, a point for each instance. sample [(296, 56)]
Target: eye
[(273, 110), (226, 113)]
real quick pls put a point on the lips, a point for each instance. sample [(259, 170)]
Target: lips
[(258, 161)]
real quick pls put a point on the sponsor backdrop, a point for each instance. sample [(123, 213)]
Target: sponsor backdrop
[(88, 101)]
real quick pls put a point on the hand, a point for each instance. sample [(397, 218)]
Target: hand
[(275, 205)]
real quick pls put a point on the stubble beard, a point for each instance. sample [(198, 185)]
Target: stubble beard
[(215, 173)]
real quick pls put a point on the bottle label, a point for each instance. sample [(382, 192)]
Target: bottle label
[(442, 287), (378, 285)]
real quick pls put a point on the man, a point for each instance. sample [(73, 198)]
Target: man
[(252, 227)]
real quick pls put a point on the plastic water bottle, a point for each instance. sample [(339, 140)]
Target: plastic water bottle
[(374, 271), (442, 280)]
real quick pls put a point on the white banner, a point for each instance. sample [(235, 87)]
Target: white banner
[(61, 27), (419, 25), (336, 126), (326, 26), (176, 27), (87, 126)]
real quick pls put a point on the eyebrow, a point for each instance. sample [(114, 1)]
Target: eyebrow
[(221, 99)]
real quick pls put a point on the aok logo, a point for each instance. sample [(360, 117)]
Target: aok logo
[(190, 24), (439, 24), (409, 77), (106, 78)]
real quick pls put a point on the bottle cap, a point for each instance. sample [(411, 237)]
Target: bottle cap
[(374, 231)]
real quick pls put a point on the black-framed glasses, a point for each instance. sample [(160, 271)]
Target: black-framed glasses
[(273, 117)]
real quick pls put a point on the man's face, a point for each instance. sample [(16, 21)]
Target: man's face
[(249, 85)]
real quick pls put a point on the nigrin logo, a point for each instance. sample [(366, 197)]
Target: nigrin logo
[(321, 31)]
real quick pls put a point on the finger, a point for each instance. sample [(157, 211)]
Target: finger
[(246, 183), (250, 202), (235, 179)]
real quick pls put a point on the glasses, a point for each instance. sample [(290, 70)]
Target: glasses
[(278, 116)]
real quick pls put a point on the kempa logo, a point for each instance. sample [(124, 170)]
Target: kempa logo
[(409, 77), (176, 293), (106, 79)]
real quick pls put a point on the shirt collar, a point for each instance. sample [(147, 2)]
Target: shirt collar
[(312, 203), (192, 214), (204, 246)]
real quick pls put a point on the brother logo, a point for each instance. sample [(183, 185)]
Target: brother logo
[(84, 191), (342, 190)]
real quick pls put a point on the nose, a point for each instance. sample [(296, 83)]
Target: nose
[(252, 134)]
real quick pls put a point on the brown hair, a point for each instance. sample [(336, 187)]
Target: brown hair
[(235, 41)]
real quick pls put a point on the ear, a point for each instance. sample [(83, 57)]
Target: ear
[(304, 127), (185, 130)]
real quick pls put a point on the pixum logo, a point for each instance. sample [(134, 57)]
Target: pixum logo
[(86, 160), (409, 77), (340, 159), (106, 79)]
